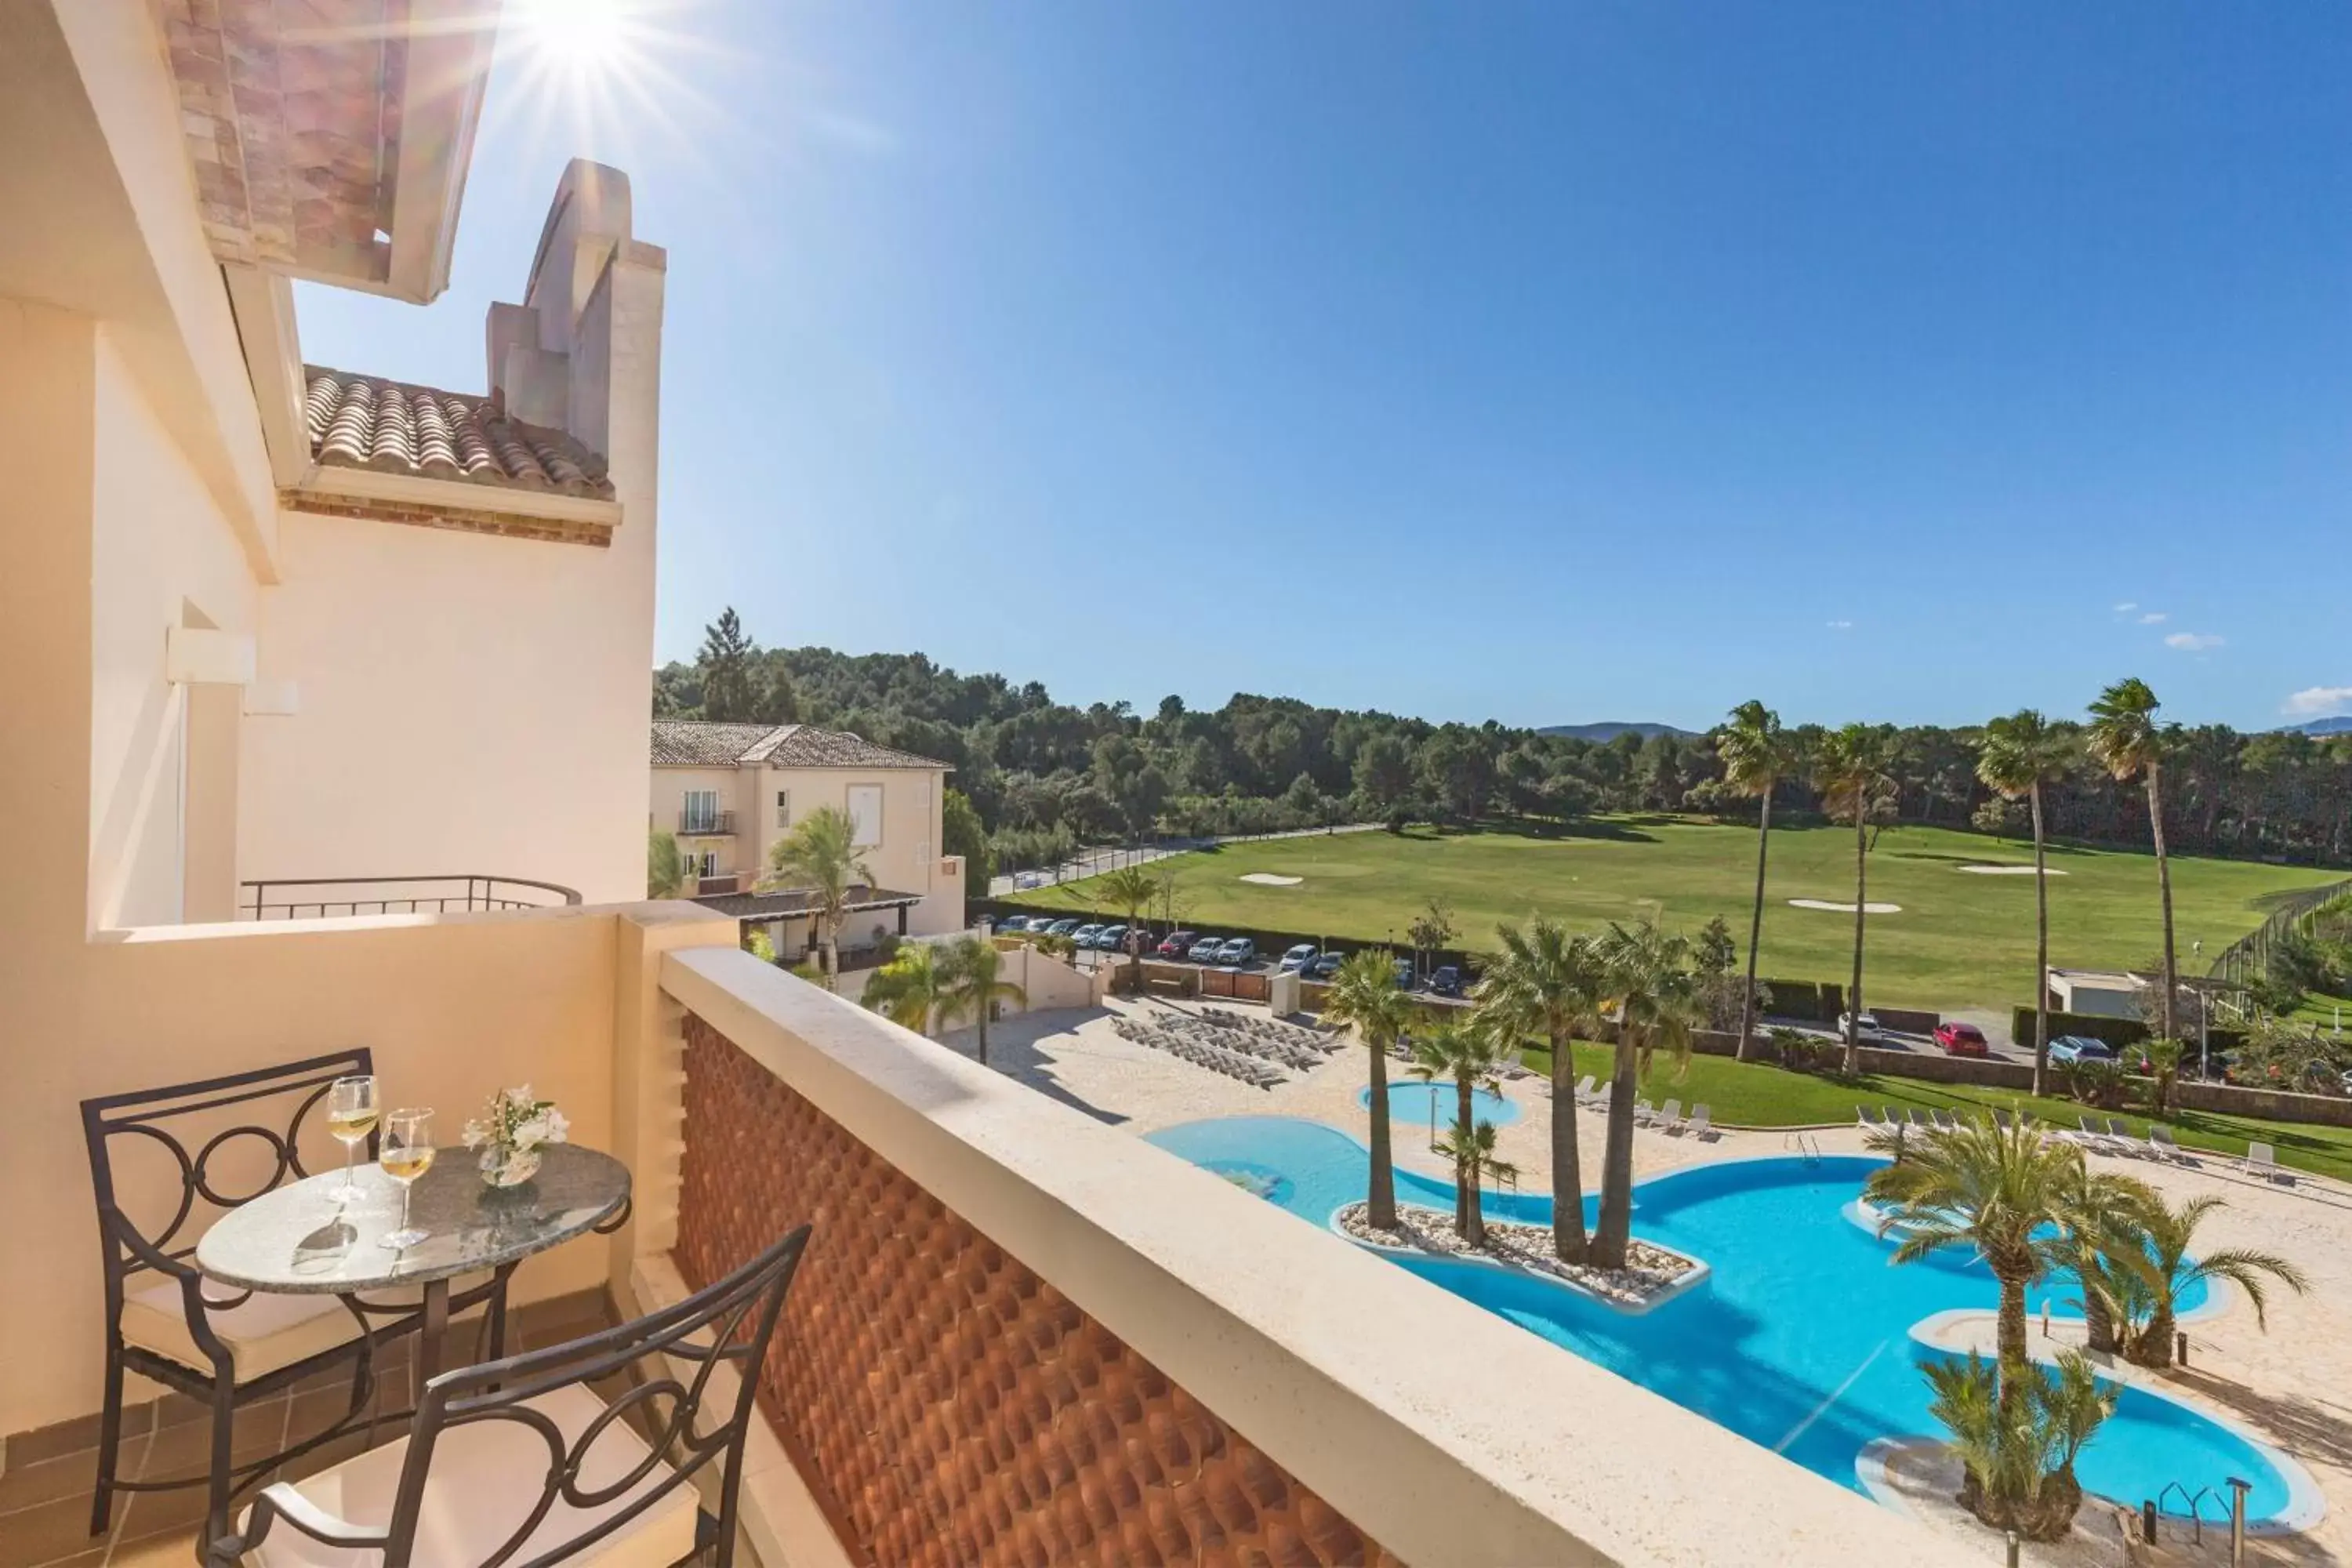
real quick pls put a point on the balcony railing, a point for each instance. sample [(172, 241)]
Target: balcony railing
[(703, 824), (712, 887), (299, 898)]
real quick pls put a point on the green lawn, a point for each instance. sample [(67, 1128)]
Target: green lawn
[(1961, 939), (1748, 1094)]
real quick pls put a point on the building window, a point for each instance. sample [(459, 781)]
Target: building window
[(701, 812), (783, 808), (866, 815), (709, 863)]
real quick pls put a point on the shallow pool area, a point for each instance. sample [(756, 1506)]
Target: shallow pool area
[(1412, 1103), (1800, 1339)]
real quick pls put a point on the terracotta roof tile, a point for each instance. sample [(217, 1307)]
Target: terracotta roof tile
[(364, 422), (690, 743)]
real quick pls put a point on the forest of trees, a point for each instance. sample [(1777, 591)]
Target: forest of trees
[(1044, 776)]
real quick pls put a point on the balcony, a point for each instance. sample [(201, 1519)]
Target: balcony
[(718, 886), (706, 825), (1020, 1336), (318, 897)]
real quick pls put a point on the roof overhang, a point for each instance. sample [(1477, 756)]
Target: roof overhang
[(332, 490), (793, 904), (329, 139)]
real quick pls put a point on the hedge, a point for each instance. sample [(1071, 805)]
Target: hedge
[(1818, 1000), (2116, 1032)]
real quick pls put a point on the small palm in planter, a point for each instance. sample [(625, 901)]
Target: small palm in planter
[(512, 1134)]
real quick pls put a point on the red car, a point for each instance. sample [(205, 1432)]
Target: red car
[(1962, 1040)]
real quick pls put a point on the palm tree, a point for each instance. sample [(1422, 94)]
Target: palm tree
[(1365, 997), (2018, 756), (1130, 889), (1474, 1161), (969, 986), (909, 989), (2105, 1245), (1547, 982), (665, 867), (1989, 1188), (820, 857), (1850, 772), (2151, 1320), (2127, 739), (2019, 1473), (1650, 973), (1471, 1054), (1756, 754)]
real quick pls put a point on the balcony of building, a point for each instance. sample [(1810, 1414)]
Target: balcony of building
[(694, 824), (1019, 1335)]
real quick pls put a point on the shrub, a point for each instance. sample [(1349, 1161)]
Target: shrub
[(2097, 1084)]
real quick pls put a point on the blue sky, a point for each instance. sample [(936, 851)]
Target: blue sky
[(1545, 362)]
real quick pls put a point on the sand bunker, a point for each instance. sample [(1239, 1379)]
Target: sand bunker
[(1268, 879), (1846, 908), (2006, 870)]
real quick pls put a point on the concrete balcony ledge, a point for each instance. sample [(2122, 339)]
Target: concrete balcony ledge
[(1443, 1433)]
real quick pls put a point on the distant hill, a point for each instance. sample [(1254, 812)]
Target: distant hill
[(2342, 726), (1610, 729)]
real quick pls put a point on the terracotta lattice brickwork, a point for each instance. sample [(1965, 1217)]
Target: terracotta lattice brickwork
[(960, 1411)]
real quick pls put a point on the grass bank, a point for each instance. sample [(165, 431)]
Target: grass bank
[(1748, 1094)]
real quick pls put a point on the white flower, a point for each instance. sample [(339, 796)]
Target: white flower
[(530, 1134), (477, 1134), (559, 1126)]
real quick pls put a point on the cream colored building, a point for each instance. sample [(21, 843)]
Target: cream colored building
[(729, 792)]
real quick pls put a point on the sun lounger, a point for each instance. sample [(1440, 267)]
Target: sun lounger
[(2260, 1160), (1700, 1126), (2125, 1143), (1943, 1119), (1868, 1119), (1600, 1101), (1670, 1116), (1644, 1113), (1584, 1090), (2162, 1145), (1919, 1118), (2006, 1123), (2096, 1137)]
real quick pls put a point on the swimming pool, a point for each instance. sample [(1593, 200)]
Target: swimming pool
[(1801, 1337), (1413, 1104)]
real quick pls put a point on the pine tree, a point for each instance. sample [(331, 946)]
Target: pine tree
[(728, 692)]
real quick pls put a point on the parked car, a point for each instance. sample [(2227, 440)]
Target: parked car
[(1062, 928), (1177, 944), (1962, 1040), (1237, 950), (1296, 960), (1324, 967), (1866, 1029), (2081, 1048), (1445, 981), (1205, 950), (1012, 923), (1404, 977), (1108, 938)]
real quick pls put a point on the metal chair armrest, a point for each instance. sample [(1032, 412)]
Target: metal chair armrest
[(281, 1499)]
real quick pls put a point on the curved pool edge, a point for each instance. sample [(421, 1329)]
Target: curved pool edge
[(2306, 1504), (1691, 1277)]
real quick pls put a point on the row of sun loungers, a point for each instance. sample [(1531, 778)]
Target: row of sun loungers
[(1319, 1039), (1666, 1118), (2100, 1135), (1248, 1069)]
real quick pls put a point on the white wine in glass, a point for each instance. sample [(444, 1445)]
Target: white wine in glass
[(407, 1153), (351, 1117)]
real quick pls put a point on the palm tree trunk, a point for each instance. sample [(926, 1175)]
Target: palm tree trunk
[(2009, 1342), (1379, 1202), (2040, 944), (1614, 1226), (1465, 1167), (1755, 928), (2152, 1346), (2098, 1317), (2164, 892), (980, 1030), (1566, 1160), (831, 947), (1861, 899)]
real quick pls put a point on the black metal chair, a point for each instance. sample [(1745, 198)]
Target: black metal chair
[(518, 1462), (222, 1347)]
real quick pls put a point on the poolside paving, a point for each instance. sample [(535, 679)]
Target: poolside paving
[(2291, 1386)]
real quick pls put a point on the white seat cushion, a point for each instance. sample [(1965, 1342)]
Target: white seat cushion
[(262, 1333), (486, 1478)]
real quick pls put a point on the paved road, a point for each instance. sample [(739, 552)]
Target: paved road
[(1094, 862)]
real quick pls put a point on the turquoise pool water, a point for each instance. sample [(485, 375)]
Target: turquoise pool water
[(1800, 1338), (1412, 1103)]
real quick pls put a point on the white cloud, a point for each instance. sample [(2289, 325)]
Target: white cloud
[(1841, 625), (2126, 608), (2193, 642), (2154, 618), (2319, 702)]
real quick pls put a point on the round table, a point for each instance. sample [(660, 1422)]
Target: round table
[(298, 1240)]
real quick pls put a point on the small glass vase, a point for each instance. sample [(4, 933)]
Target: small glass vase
[(504, 1165)]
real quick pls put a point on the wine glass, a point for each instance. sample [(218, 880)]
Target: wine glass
[(351, 1117), (407, 1155)]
